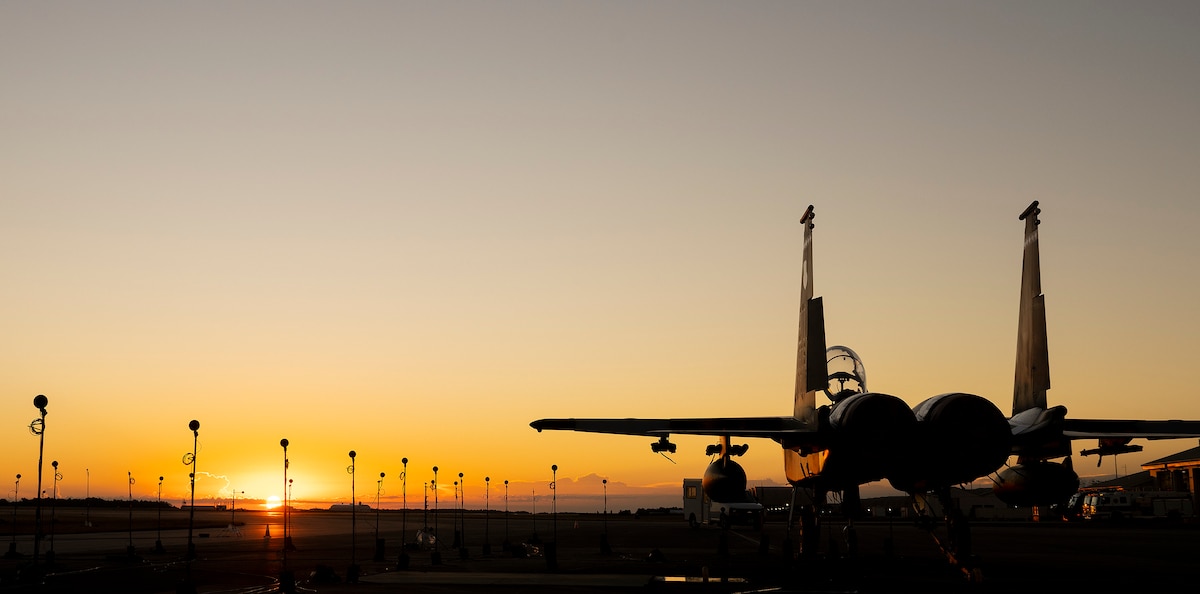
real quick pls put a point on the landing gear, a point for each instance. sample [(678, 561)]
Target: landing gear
[(957, 544), (851, 508)]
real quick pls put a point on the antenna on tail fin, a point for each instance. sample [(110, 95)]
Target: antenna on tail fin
[(811, 367), (1032, 376)]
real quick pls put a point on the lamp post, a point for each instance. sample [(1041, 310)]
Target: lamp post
[(158, 545), (552, 546), (462, 515), (87, 495), (404, 498), (287, 518), (233, 515), (38, 428), (379, 547), (352, 572), (604, 548), (435, 558), (53, 504), (129, 549), (437, 543), (12, 546), (402, 560), (190, 460), (554, 500), (605, 483), (506, 513), (487, 513), (286, 496)]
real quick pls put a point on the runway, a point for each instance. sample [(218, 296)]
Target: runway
[(649, 553)]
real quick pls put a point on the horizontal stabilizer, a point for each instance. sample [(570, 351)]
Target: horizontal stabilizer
[(1100, 428)]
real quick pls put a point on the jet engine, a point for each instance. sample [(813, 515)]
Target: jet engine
[(1037, 483), (872, 429), (725, 481), (959, 438)]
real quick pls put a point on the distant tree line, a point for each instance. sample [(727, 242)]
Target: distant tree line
[(89, 502)]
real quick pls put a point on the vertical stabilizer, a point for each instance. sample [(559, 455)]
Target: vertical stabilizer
[(811, 367), (1032, 377)]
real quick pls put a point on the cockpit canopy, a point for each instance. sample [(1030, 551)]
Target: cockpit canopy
[(847, 376)]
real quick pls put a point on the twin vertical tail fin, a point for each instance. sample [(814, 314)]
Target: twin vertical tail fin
[(811, 367), (1032, 377)]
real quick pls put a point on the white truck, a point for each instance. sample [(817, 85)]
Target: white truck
[(697, 508), (1118, 505)]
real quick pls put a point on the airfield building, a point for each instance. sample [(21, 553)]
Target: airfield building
[(1177, 472)]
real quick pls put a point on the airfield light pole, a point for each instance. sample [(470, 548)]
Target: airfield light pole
[(379, 545), (38, 428), (12, 547), (352, 573), (284, 444), (604, 482), (378, 490), (287, 518), (554, 500), (158, 546), (605, 549), (487, 513), (454, 515), (129, 549), (233, 512), (404, 499), (506, 512), (437, 543), (462, 511), (87, 495), (194, 425), (53, 505)]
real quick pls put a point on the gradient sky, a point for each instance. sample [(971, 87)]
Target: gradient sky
[(409, 229)]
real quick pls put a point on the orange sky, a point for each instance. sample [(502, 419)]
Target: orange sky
[(411, 229)]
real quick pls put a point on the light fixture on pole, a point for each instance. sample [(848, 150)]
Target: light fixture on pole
[(554, 499), (462, 516), (286, 497), (402, 560), (158, 545), (352, 571), (404, 499), (190, 460), (437, 544), (129, 549), (379, 548), (53, 505), (435, 558), (12, 546), (604, 548), (487, 515), (38, 428)]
